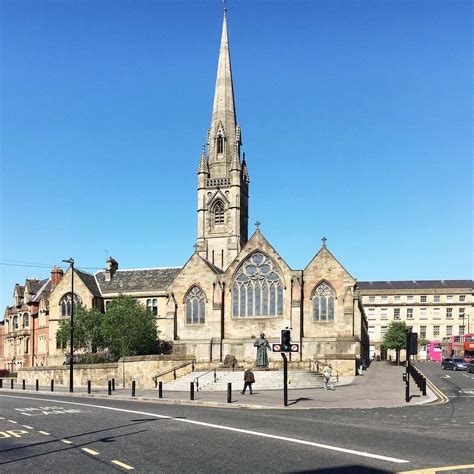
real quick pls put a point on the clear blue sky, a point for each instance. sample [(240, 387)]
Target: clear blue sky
[(355, 116)]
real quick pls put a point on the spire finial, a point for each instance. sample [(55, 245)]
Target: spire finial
[(323, 240), (195, 248), (257, 225), (225, 7)]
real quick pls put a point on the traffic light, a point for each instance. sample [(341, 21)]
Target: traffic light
[(285, 340), (413, 343)]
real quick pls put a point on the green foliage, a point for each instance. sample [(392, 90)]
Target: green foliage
[(128, 328), (87, 330), (396, 337)]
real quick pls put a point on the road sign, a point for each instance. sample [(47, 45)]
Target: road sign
[(276, 347), (281, 348)]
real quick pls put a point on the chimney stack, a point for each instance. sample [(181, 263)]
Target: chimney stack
[(112, 267), (56, 276)]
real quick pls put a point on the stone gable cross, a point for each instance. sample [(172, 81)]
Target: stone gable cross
[(258, 224), (324, 241), (195, 248)]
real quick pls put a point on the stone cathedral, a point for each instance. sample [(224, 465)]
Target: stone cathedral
[(233, 287)]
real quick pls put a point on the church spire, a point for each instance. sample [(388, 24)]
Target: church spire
[(223, 134)]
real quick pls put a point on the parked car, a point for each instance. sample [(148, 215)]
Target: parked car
[(453, 363), (470, 366)]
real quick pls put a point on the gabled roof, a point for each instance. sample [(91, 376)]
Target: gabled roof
[(148, 279), (325, 249), (414, 284), (90, 281), (44, 290)]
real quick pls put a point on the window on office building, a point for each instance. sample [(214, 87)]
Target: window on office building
[(371, 313), (423, 313), (423, 298), (383, 331), (422, 332), (436, 298), (409, 313), (371, 299), (462, 312), (462, 298), (449, 299), (371, 331), (449, 330), (396, 298), (461, 330), (396, 313), (410, 299), (435, 331), (449, 312), (436, 313), (383, 313), (384, 299)]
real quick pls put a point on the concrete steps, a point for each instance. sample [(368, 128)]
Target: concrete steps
[(264, 380)]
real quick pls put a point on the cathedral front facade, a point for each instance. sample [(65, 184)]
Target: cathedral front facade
[(232, 288)]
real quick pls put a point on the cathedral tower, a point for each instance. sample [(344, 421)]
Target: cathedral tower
[(222, 175)]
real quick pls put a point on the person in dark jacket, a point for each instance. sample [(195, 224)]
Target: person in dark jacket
[(249, 379)]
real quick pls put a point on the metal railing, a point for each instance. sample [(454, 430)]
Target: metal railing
[(196, 380), (173, 370), (319, 366)]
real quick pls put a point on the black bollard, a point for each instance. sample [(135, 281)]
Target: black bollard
[(11, 383), (229, 393), (133, 388), (191, 390), (24, 384), (113, 385), (160, 390), (215, 375), (88, 386), (37, 385), (109, 387), (52, 385), (1, 383)]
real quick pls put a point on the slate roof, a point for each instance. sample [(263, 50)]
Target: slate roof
[(45, 290), (89, 281), (36, 285), (148, 279), (414, 285)]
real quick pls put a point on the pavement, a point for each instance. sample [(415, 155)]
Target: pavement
[(379, 386)]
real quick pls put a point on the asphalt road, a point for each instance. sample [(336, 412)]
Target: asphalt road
[(75, 434)]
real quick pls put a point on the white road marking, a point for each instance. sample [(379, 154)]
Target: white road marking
[(44, 432), (27, 427), (228, 428), (13, 421), (66, 441), (122, 464), (90, 451)]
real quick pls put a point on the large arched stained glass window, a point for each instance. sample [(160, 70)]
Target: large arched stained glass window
[(195, 304), (66, 303), (323, 303), (258, 288)]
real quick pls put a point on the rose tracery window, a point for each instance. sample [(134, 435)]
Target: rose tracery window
[(66, 304), (323, 303), (195, 303), (257, 289), (218, 212)]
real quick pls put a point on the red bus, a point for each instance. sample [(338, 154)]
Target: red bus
[(452, 346), (469, 346), (434, 351)]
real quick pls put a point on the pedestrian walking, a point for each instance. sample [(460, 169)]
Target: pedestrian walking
[(327, 373), (249, 379)]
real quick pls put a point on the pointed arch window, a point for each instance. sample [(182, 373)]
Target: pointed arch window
[(66, 303), (258, 288), (218, 212), (195, 304), (220, 144), (323, 303)]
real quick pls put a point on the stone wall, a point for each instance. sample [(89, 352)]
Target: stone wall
[(142, 369)]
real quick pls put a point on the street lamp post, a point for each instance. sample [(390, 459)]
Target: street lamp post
[(71, 326)]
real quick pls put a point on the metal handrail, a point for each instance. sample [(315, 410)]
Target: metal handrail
[(318, 363), (174, 369), (196, 380)]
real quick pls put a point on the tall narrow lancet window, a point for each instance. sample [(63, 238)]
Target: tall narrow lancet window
[(258, 288), (218, 212), (66, 303), (220, 144), (195, 304), (323, 303)]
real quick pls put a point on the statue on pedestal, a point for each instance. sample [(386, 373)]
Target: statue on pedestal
[(262, 344)]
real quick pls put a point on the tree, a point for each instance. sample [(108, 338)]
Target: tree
[(396, 337), (128, 328), (87, 330)]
